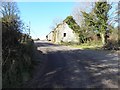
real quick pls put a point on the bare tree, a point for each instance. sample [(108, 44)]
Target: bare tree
[(113, 13), (10, 15), (55, 22), (82, 6), (9, 8)]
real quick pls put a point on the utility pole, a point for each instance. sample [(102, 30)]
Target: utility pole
[(29, 28)]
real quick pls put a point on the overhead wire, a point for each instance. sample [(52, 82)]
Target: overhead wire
[(34, 33)]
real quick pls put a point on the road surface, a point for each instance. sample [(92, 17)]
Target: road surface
[(66, 67)]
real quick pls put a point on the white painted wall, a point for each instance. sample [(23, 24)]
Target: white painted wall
[(50, 36), (70, 35)]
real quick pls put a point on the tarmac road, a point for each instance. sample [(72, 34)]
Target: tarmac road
[(66, 67)]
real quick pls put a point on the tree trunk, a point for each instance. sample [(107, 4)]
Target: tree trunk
[(103, 38)]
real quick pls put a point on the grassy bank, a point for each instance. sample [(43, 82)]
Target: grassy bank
[(17, 64)]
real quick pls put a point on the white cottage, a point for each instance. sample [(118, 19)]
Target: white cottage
[(63, 33), (50, 37)]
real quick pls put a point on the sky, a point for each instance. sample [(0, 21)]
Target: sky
[(42, 15)]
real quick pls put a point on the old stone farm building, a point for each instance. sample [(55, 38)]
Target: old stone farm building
[(62, 33)]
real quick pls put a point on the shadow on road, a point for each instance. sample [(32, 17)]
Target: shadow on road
[(45, 44), (77, 69)]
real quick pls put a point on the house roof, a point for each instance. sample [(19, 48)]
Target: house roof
[(64, 22), (59, 25), (50, 32)]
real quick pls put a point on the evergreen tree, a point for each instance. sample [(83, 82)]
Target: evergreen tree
[(101, 10)]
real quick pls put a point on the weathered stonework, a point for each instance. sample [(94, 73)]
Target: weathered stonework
[(62, 33)]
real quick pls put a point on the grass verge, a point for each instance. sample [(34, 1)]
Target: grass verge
[(89, 45)]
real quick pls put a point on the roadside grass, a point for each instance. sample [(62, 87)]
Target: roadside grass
[(87, 46), (94, 45)]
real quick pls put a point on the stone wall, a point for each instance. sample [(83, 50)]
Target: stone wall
[(65, 34)]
